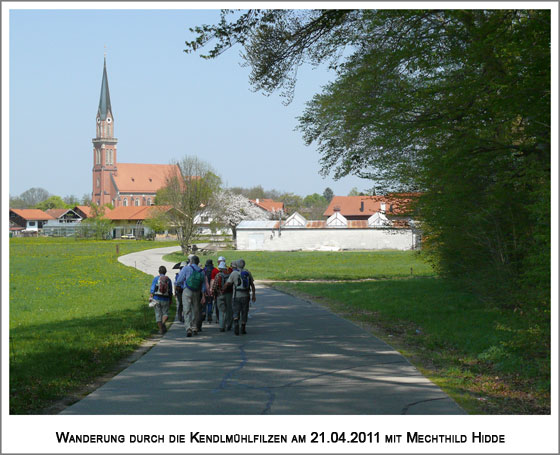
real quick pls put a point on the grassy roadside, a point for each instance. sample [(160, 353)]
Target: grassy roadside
[(308, 265), (74, 313), (458, 342)]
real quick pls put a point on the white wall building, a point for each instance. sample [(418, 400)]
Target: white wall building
[(336, 233)]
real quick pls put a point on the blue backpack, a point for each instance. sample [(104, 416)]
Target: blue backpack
[(243, 283)]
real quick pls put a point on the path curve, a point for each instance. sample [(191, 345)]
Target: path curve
[(297, 358), (148, 261)]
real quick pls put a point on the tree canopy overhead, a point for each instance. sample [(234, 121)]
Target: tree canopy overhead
[(414, 79), (452, 103)]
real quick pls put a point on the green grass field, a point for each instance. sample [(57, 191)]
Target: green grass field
[(74, 313), (304, 265), (467, 347)]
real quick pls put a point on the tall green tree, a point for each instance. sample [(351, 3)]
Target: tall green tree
[(53, 202), (328, 194), (452, 103), (315, 205)]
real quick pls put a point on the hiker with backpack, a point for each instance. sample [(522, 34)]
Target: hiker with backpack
[(193, 281), (229, 270), (210, 271), (223, 297), (242, 282), (161, 293), (179, 296)]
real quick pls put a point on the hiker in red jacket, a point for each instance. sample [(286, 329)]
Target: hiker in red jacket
[(223, 297)]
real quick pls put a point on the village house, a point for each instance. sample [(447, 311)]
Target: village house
[(269, 206), (28, 221), (395, 207), (63, 224), (129, 222), (84, 211)]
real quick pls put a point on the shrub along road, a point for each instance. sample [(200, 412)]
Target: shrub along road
[(297, 358)]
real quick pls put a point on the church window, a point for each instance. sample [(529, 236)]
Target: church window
[(137, 202), (149, 201), (97, 182), (97, 156), (125, 202)]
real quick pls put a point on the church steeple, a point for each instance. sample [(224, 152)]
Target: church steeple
[(105, 126), (104, 109), (104, 146)]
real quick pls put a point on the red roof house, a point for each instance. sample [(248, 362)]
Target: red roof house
[(29, 219), (362, 207), (269, 205), (83, 210)]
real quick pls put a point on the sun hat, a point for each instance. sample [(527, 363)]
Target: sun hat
[(221, 259), (222, 265), (241, 263)]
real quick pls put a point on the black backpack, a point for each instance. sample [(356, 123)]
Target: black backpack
[(208, 272)]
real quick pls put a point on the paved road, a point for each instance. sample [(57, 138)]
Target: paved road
[(297, 358), (148, 261)]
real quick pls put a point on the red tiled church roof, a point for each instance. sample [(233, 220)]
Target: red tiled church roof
[(134, 213), (142, 178)]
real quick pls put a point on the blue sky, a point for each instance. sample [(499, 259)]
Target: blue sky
[(166, 103)]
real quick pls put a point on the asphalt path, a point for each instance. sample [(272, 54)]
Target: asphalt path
[(297, 358)]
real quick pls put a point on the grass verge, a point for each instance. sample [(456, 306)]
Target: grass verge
[(74, 313), (460, 343), (323, 265)]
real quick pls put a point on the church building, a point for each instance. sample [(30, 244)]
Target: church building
[(121, 184)]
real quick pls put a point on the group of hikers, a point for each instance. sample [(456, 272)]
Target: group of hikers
[(224, 291)]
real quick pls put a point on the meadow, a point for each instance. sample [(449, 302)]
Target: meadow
[(323, 265), (74, 313)]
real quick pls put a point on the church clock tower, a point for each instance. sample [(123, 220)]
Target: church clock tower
[(104, 147)]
